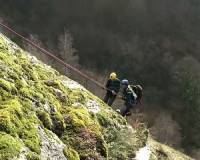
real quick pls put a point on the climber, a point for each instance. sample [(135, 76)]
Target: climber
[(114, 85), (129, 97)]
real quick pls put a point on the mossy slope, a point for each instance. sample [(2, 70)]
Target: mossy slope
[(32, 94)]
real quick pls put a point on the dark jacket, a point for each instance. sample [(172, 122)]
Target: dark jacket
[(129, 96), (113, 85)]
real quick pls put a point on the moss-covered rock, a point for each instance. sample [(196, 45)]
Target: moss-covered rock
[(5, 85), (10, 116), (10, 146), (71, 154), (29, 135), (36, 103), (33, 156), (45, 118)]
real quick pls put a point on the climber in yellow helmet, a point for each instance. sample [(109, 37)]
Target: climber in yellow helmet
[(113, 84)]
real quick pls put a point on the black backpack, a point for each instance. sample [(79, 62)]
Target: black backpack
[(138, 90)]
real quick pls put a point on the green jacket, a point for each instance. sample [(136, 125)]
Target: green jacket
[(114, 85)]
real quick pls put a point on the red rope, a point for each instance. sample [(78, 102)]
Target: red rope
[(58, 59)]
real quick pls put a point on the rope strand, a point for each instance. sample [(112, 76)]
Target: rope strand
[(55, 57)]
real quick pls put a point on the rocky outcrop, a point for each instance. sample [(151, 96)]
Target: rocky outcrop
[(44, 115)]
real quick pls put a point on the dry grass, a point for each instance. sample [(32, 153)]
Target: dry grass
[(163, 152)]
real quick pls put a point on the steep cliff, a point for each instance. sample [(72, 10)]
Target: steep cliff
[(44, 115)]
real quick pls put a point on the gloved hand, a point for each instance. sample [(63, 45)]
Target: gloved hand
[(113, 92)]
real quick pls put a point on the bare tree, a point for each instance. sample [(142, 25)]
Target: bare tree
[(67, 52)]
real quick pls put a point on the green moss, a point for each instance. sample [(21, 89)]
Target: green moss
[(33, 156), (30, 73), (29, 134), (12, 121), (102, 146), (77, 118), (78, 123), (19, 84), (31, 118), (3, 72), (55, 84), (5, 85), (32, 94), (13, 106), (58, 91), (76, 96), (5, 95), (10, 116), (5, 122), (110, 118), (25, 92), (2, 55), (45, 73), (45, 118), (14, 76), (71, 154), (83, 133), (27, 105), (58, 123), (10, 147)]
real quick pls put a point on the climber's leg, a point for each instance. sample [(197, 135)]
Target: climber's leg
[(126, 109), (111, 100), (106, 98)]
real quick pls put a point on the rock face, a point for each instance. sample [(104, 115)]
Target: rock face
[(44, 115)]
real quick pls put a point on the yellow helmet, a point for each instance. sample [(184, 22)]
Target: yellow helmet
[(113, 76)]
